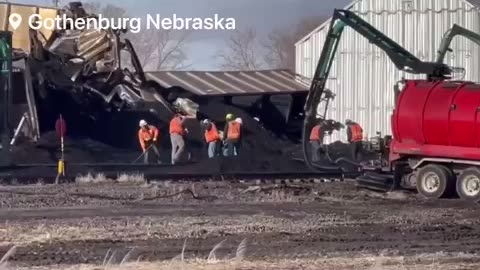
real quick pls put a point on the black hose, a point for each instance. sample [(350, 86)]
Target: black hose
[(328, 168), (306, 156), (347, 161), (315, 167)]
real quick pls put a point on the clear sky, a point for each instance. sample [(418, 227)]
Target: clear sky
[(263, 15)]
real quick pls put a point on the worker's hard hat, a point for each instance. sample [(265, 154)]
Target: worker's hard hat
[(239, 120), (348, 121), (142, 123), (206, 121), (229, 117)]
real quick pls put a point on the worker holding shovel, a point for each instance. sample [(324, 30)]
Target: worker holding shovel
[(148, 138)]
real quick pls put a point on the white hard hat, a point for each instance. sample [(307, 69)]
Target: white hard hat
[(143, 123), (239, 120)]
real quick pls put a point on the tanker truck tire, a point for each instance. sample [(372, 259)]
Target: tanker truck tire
[(435, 181), (468, 185)]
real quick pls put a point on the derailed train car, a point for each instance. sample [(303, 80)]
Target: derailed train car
[(96, 81)]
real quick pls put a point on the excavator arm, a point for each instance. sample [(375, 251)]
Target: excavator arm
[(456, 30), (402, 59)]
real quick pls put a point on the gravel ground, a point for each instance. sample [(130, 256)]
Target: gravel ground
[(223, 225)]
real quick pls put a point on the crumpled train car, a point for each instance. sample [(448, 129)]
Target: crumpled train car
[(82, 74)]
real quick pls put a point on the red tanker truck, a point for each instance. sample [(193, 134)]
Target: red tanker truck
[(436, 134), (435, 142)]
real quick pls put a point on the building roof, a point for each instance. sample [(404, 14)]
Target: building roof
[(232, 82)]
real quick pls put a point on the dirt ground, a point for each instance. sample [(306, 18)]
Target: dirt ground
[(220, 225)]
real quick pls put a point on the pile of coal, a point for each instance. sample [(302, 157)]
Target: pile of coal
[(268, 142), (78, 150)]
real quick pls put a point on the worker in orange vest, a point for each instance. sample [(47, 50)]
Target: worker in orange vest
[(238, 144), (177, 137), (232, 135), (355, 137), (316, 140), (148, 138), (212, 137)]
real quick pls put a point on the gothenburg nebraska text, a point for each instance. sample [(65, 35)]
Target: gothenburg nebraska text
[(134, 24)]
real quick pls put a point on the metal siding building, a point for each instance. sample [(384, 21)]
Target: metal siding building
[(363, 76)]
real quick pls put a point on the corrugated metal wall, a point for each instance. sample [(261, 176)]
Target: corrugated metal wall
[(363, 76)]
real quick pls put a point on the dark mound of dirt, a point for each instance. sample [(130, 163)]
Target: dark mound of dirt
[(262, 149), (78, 150)]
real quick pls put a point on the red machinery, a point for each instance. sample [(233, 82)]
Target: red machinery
[(436, 129), (435, 123), (437, 119)]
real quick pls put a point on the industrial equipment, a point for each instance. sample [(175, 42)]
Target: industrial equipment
[(435, 144)]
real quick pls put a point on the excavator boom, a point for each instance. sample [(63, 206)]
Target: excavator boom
[(456, 30), (403, 60)]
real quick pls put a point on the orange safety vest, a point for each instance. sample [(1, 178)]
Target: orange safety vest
[(357, 133), (315, 133), (233, 130), (176, 126), (147, 135), (212, 134)]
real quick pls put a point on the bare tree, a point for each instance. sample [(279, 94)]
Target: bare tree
[(92, 7), (280, 44), (162, 49), (243, 51), (107, 11), (156, 49)]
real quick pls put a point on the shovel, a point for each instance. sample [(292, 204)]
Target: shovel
[(135, 161)]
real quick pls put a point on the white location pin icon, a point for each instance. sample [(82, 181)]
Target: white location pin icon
[(15, 20)]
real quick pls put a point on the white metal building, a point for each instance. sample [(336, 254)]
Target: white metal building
[(362, 75)]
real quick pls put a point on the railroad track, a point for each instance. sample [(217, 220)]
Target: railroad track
[(214, 171), (252, 177)]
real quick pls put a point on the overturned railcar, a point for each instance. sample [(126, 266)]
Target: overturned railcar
[(93, 78)]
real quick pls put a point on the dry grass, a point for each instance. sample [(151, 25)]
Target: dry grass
[(136, 178), (117, 261), (179, 260), (89, 179), (3, 261), (170, 227), (437, 261)]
